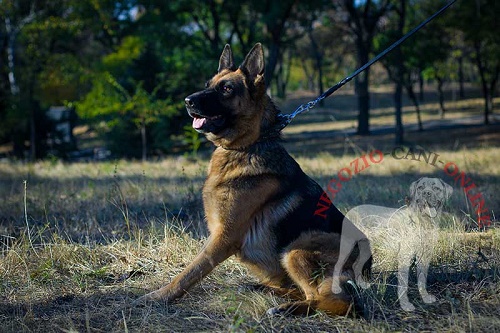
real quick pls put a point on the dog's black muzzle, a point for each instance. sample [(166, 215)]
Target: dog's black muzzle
[(206, 110)]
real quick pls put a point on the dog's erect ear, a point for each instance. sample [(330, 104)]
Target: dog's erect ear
[(226, 59), (253, 65), (448, 190)]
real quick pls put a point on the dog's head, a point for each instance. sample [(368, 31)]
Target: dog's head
[(233, 108), (427, 195)]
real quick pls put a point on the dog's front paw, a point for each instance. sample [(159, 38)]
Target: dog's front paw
[(164, 295), (275, 311), (407, 306), (362, 283), (293, 308), (428, 298), (336, 288), (147, 299)]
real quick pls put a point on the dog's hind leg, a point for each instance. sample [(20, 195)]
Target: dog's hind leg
[(284, 291), (307, 272), (309, 263)]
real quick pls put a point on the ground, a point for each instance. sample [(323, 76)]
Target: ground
[(81, 241)]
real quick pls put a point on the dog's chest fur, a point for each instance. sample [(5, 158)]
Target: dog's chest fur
[(241, 202)]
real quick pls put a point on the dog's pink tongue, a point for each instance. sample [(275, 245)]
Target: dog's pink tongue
[(199, 122), (432, 212)]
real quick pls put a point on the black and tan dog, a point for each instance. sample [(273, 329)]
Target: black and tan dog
[(259, 204)]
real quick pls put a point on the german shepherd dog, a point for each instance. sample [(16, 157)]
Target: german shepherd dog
[(259, 204)]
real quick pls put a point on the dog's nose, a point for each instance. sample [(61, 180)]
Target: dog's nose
[(189, 102)]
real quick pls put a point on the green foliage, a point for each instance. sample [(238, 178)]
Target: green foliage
[(125, 54), (446, 70), (129, 64), (109, 97), (192, 139), (424, 50), (479, 24), (116, 110), (59, 80)]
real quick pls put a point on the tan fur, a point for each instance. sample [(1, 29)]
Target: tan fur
[(243, 201)]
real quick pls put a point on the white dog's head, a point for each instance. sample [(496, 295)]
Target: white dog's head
[(427, 195)]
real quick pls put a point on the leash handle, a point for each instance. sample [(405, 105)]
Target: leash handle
[(285, 119)]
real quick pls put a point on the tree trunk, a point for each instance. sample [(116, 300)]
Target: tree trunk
[(442, 109), (11, 37), (12, 32), (272, 62), (363, 21), (363, 95), (461, 90), (309, 76), (398, 103), (320, 84), (398, 94), (413, 97), (144, 142), (33, 140), (488, 105), (281, 78), (421, 87), (362, 90), (318, 59), (484, 84), (288, 70)]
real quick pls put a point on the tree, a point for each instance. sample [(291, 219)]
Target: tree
[(362, 20), (480, 25), (15, 16), (281, 24), (423, 56), (400, 74), (48, 42), (442, 71), (323, 61), (427, 54), (110, 100)]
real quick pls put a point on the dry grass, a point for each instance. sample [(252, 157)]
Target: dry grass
[(102, 234), (83, 240)]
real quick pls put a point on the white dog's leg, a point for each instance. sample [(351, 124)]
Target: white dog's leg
[(346, 246), (423, 269), (403, 272), (364, 255), (350, 236)]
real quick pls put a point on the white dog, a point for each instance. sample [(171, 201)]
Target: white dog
[(411, 231)]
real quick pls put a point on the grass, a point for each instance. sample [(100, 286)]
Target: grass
[(82, 241)]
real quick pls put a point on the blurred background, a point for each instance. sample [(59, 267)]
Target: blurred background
[(95, 79)]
